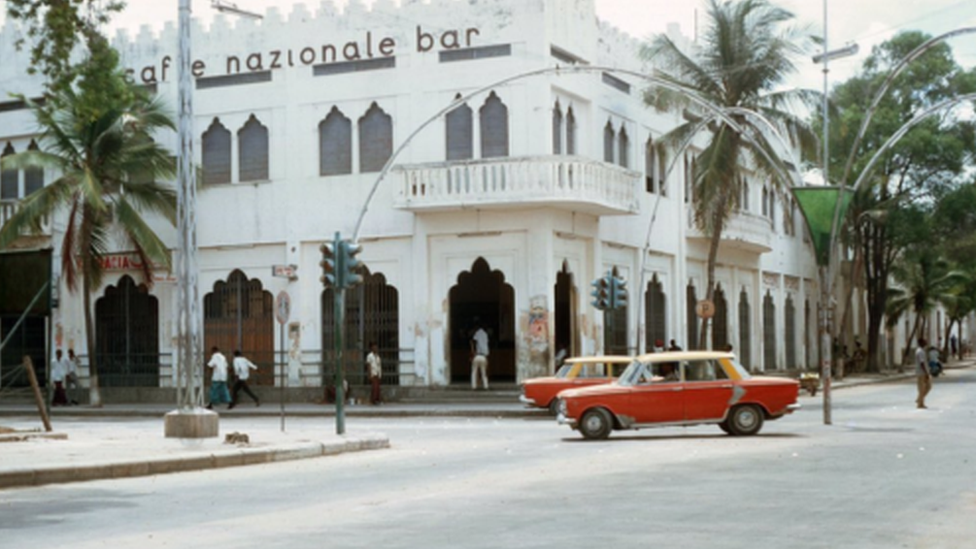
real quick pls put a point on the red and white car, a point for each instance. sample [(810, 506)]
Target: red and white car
[(540, 392), (679, 388)]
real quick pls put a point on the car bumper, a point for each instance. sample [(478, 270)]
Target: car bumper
[(563, 420), (793, 407), (527, 401)]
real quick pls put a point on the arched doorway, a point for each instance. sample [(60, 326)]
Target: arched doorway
[(127, 336), (372, 314), (655, 314), (720, 320), (615, 328), (482, 296), (239, 315), (566, 335)]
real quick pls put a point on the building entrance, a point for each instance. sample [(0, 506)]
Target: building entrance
[(566, 332), (127, 336), (481, 296), (239, 314)]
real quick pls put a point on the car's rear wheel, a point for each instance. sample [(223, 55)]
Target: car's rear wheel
[(596, 424), (745, 420)]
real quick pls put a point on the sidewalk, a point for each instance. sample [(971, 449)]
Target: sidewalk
[(126, 440)]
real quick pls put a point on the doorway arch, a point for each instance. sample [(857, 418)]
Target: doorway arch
[(566, 335), (239, 315), (127, 335), (481, 295)]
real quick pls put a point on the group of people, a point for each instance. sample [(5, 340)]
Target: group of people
[(64, 376), (219, 393)]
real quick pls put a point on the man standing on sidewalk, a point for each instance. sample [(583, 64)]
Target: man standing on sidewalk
[(923, 376), (479, 357), (218, 382), (242, 369), (375, 366)]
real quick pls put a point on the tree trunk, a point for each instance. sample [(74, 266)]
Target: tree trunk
[(945, 338), (94, 391), (710, 286), (875, 321), (908, 344)]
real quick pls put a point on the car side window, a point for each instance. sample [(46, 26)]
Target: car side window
[(617, 369), (704, 370), (592, 370), (666, 372)]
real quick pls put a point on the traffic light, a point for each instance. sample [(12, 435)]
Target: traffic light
[(328, 264), (601, 293), (618, 292), (351, 265)]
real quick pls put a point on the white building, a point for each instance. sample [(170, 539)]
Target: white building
[(500, 212)]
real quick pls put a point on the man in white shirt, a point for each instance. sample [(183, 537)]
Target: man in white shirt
[(242, 369), (922, 375), (71, 376), (479, 358), (218, 382), (375, 365), (58, 372)]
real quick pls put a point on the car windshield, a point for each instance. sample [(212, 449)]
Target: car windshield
[(743, 373), (564, 370), (633, 374)]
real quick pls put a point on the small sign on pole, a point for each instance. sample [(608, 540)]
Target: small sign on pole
[(285, 271), (282, 307), (705, 309)]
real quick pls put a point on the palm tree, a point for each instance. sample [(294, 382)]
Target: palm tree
[(739, 66), (108, 165)]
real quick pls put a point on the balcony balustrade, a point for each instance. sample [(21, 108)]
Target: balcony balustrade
[(563, 182), (9, 207), (745, 231)]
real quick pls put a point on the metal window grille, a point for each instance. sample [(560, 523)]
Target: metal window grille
[(252, 142), (335, 144), (127, 336), (216, 154), (375, 139)]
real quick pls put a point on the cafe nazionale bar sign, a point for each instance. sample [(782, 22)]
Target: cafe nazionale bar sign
[(367, 47)]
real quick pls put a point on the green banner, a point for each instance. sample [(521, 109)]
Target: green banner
[(818, 205)]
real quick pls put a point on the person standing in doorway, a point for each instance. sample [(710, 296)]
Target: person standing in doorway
[(242, 369), (375, 366), (71, 377), (218, 382), (674, 346), (479, 357), (922, 374), (58, 373)]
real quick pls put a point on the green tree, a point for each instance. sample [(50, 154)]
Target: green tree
[(930, 157), (108, 166), (740, 64)]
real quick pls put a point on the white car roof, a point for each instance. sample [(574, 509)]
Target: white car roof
[(673, 356), (598, 359)]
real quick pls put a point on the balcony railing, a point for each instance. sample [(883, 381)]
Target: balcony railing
[(744, 230), (564, 182), (9, 207)]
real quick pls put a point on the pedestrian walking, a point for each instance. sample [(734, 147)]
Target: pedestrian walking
[(58, 372), (71, 377), (375, 366), (922, 374), (242, 371), (479, 357), (218, 382)]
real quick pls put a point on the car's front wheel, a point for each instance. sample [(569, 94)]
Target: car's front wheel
[(745, 420), (554, 407), (596, 424)]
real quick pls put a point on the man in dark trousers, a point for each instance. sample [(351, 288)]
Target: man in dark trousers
[(242, 369)]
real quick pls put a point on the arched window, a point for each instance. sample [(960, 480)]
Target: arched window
[(691, 300), (557, 129), (8, 178), (33, 176), (806, 333), (375, 139), (769, 332), (335, 144), (765, 202), (252, 147), (608, 139), (655, 321), (570, 132), (216, 154), (459, 131), (650, 164), (623, 154), (772, 209), (494, 128), (745, 330), (790, 333), (720, 321), (744, 202)]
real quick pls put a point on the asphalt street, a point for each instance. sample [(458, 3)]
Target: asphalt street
[(884, 475)]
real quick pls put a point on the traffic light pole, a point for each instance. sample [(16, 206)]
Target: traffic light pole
[(339, 309)]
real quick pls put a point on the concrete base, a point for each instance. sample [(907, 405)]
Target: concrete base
[(199, 423)]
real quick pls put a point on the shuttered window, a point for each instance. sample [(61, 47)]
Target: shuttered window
[(650, 164), (335, 144), (623, 153), (745, 331), (720, 320), (494, 128), (252, 142), (691, 299), (557, 129), (790, 333), (656, 320), (34, 176), (459, 129), (570, 132), (375, 139), (769, 332), (216, 154), (608, 138), (8, 178)]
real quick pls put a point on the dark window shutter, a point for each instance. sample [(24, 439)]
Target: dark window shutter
[(557, 129), (33, 177), (624, 146), (252, 143), (375, 139), (769, 332), (335, 144), (649, 165), (494, 128), (8, 178), (608, 136), (691, 300), (216, 154), (460, 134), (790, 326), (656, 314), (745, 330), (720, 321), (570, 132)]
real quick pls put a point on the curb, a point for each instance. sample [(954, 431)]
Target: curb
[(235, 457)]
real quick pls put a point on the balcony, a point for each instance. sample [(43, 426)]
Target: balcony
[(745, 231), (9, 207), (564, 182)]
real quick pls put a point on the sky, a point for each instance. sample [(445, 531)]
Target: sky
[(864, 22)]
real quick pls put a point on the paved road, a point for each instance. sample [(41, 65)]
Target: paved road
[(884, 475)]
